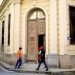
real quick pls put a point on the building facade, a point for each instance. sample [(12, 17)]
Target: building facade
[(32, 23)]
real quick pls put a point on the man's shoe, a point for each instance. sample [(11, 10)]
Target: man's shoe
[(37, 69), (47, 69), (15, 67)]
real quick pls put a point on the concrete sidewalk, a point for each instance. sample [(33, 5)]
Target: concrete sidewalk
[(31, 68)]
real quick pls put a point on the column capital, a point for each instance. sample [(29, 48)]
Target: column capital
[(16, 1)]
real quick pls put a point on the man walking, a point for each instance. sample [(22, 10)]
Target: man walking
[(19, 60), (42, 59)]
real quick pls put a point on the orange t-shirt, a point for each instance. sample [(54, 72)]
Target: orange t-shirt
[(19, 54)]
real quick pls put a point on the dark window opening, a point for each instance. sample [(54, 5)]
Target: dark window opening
[(3, 33), (72, 24), (9, 19)]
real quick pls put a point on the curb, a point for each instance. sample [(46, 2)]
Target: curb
[(45, 72), (51, 72), (23, 71), (4, 66)]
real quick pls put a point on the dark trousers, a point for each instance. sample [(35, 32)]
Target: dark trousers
[(42, 61), (18, 63)]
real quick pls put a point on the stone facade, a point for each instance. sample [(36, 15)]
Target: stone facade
[(57, 28)]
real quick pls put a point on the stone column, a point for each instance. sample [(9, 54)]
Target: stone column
[(53, 57), (64, 58), (16, 25), (53, 26), (0, 38), (0, 34), (63, 26), (11, 57), (12, 28)]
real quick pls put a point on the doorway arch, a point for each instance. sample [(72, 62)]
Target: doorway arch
[(36, 33)]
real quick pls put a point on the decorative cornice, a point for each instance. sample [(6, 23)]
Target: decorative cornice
[(1, 2), (16, 1), (4, 3)]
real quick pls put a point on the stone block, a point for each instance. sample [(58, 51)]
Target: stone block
[(53, 60)]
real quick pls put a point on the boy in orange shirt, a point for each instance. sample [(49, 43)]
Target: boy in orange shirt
[(19, 61)]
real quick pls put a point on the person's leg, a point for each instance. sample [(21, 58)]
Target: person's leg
[(45, 65), (20, 63), (16, 64), (39, 64)]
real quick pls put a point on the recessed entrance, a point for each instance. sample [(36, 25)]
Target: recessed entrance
[(35, 33), (40, 40)]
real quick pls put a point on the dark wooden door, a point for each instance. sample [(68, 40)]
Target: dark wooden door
[(35, 27)]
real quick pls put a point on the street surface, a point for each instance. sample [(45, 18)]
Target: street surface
[(6, 72)]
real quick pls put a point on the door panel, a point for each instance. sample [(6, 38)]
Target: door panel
[(32, 41), (35, 28), (41, 26)]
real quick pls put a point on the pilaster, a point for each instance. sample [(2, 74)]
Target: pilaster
[(63, 26), (53, 26), (12, 10), (0, 33), (16, 26)]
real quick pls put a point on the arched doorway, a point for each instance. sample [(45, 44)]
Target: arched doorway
[(36, 33)]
